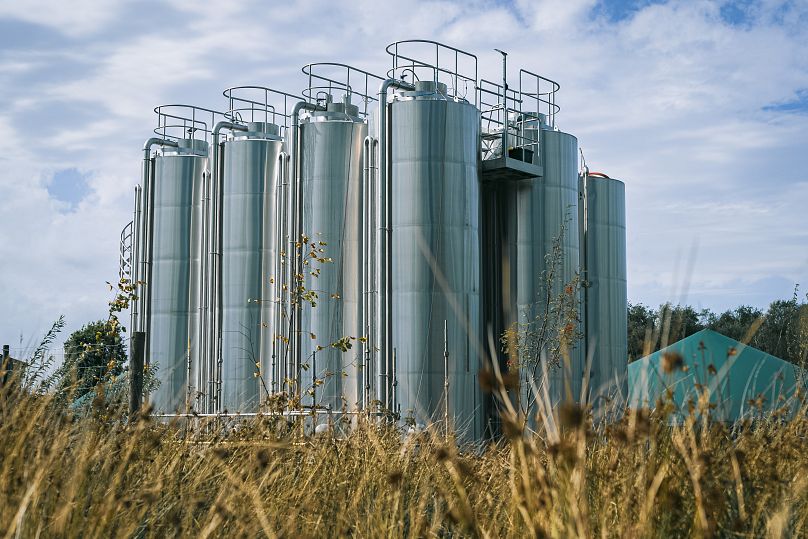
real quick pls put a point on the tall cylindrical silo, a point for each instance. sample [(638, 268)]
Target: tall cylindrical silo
[(547, 261), (435, 281), (250, 173), (175, 217), (331, 175), (604, 271)]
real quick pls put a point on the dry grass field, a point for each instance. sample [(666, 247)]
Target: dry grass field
[(103, 476)]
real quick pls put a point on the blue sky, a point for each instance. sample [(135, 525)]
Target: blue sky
[(701, 107)]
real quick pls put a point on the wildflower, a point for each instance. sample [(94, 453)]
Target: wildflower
[(395, 478), (672, 361), (571, 415), (486, 380)]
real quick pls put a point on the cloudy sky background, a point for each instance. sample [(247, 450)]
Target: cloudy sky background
[(701, 107)]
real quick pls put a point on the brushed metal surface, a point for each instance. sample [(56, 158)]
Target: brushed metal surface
[(604, 265), (249, 184), (175, 253), (331, 173), (544, 207), (436, 258)]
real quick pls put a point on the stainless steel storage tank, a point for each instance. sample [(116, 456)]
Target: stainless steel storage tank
[(436, 255), (175, 252), (331, 174), (546, 215), (604, 271), (249, 187)]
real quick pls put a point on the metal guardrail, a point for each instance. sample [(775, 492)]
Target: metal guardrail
[(541, 92), (326, 78), (261, 104), (462, 69), (512, 118), (506, 123), (180, 121)]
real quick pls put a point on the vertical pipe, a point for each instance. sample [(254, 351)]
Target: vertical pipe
[(446, 376), (296, 228), (314, 379), (147, 241), (583, 262), (504, 102), (215, 322), (136, 372), (383, 333), (5, 365), (395, 382), (188, 383), (273, 385), (275, 309), (134, 264), (284, 243), (364, 266), (206, 355), (143, 254), (202, 291), (147, 255), (216, 357), (369, 267)]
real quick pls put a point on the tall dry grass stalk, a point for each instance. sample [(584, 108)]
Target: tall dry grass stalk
[(102, 476)]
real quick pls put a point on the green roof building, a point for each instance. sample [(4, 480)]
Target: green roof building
[(741, 381)]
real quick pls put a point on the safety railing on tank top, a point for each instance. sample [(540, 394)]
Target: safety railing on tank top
[(261, 104), (327, 78), (175, 122), (539, 94), (499, 114), (427, 60)]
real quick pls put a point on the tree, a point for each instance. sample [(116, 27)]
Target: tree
[(737, 323), (551, 335), (782, 330), (93, 355), (641, 322), (649, 329), (675, 322)]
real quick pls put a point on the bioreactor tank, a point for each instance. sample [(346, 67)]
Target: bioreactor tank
[(331, 174), (603, 262), (436, 255), (249, 185), (174, 255)]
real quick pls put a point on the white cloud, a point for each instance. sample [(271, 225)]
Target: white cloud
[(75, 18)]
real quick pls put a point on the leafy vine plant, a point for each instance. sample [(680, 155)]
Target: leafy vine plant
[(305, 261), (551, 334)]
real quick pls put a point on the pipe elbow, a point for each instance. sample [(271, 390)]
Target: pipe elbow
[(224, 124), (156, 141), (304, 105), (394, 83)]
